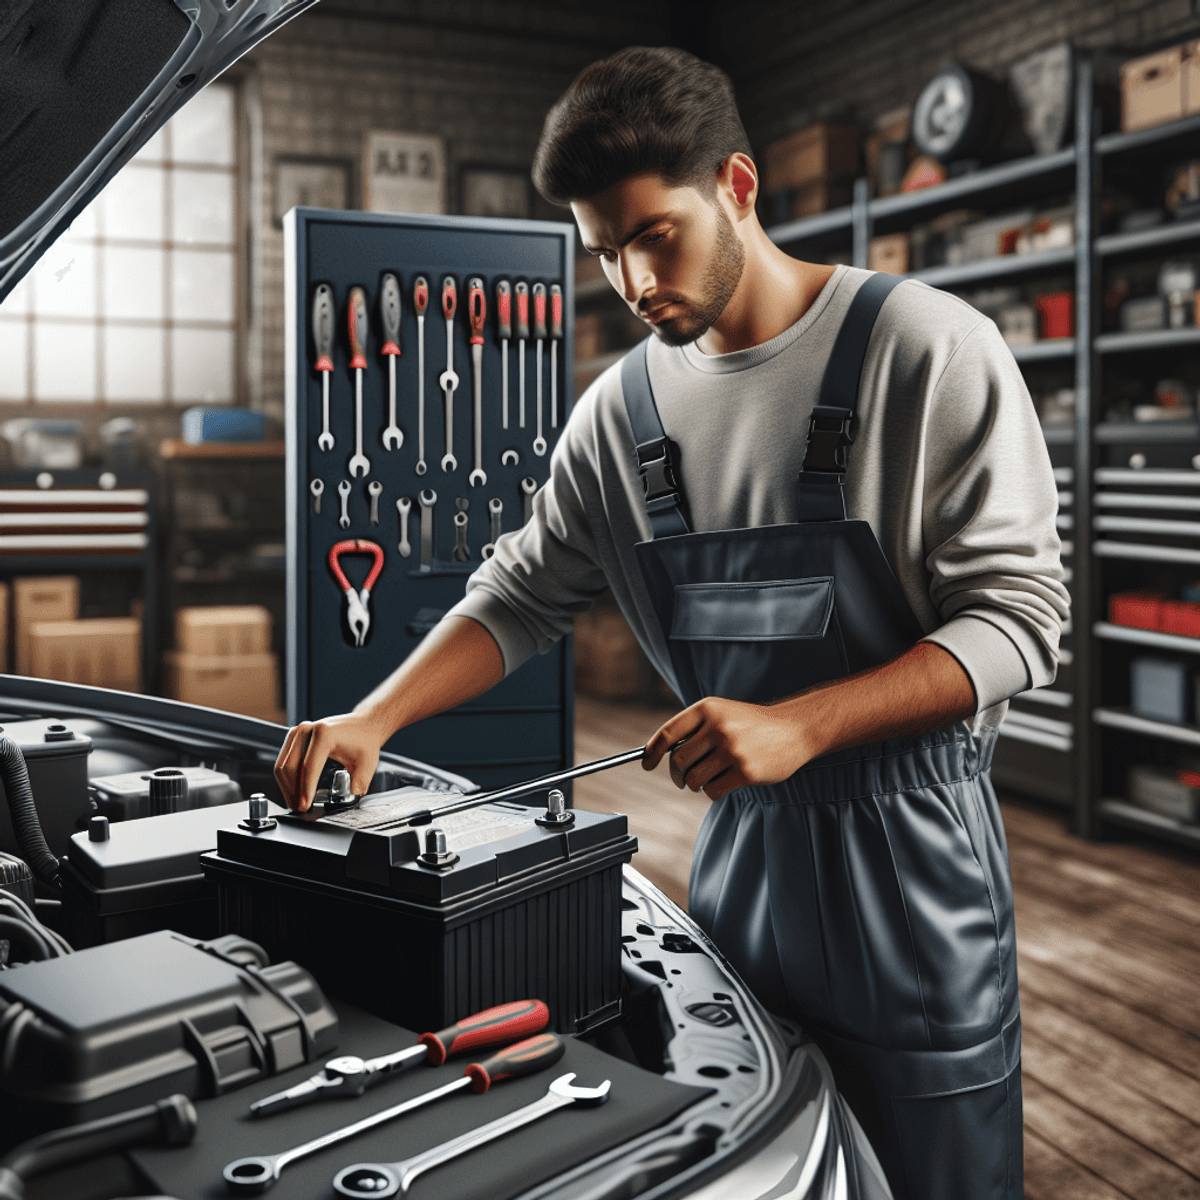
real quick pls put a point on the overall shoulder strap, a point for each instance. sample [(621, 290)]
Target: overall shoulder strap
[(657, 455), (819, 495)]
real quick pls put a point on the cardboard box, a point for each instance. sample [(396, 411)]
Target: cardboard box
[(102, 652), (1190, 71), (889, 253), (1152, 89), (40, 598), (815, 153), (247, 684), (223, 631)]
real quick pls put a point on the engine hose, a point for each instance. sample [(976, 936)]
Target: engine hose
[(27, 827), (24, 936)]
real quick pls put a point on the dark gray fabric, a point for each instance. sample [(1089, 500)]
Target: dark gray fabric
[(773, 610)]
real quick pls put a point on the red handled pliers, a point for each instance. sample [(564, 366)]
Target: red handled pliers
[(359, 614)]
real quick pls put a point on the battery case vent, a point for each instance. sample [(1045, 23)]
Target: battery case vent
[(122, 1025)]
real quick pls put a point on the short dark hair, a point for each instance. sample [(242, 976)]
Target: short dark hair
[(645, 109)]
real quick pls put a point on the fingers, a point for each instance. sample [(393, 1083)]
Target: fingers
[(287, 765), (315, 756), (680, 726), (727, 781)]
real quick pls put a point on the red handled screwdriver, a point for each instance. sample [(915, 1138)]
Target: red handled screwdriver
[(322, 330), (556, 332), (420, 304), (389, 312), (504, 330), (356, 320), (539, 333), (522, 293), (351, 1076)]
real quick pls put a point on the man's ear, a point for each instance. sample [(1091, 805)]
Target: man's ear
[(739, 174)]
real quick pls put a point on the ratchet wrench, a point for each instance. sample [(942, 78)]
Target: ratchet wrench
[(369, 1181), (495, 508), (389, 311), (522, 293), (448, 380), (358, 603), (357, 323), (539, 333), (348, 1075), (556, 332), (476, 313), (323, 315), (504, 330), (404, 507), (420, 304), (252, 1176)]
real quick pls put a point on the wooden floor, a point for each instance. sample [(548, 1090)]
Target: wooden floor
[(1108, 944)]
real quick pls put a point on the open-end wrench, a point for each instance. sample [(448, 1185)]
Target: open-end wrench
[(317, 487), (461, 550), (448, 380), (324, 313), (510, 457), (504, 330), (477, 313), (357, 323), (344, 492), (528, 488), (404, 507), (370, 1181), (389, 312), (556, 332), (374, 490), (521, 290), (351, 1076), (427, 498), (495, 508), (420, 304), (252, 1176), (539, 333)]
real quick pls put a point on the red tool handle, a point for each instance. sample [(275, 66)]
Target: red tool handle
[(389, 313), (555, 311), (539, 311), (492, 1027), (522, 294), (525, 1058), (476, 309), (355, 546), (420, 295), (449, 298), (322, 326), (504, 308), (356, 313)]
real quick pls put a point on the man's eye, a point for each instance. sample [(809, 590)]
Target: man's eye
[(651, 238)]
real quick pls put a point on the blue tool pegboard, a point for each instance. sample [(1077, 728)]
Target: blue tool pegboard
[(524, 726)]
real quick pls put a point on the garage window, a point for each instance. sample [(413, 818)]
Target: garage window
[(136, 302)]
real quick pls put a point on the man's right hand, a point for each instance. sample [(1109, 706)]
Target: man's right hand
[(351, 739)]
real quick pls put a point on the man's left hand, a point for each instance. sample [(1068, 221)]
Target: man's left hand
[(721, 745)]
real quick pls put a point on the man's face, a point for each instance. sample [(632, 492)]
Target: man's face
[(671, 252)]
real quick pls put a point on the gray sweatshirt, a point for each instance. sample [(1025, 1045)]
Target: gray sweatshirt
[(949, 468)]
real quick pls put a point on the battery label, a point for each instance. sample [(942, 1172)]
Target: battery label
[(464, 830)]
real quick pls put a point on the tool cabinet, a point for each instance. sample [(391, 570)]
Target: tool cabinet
[(523, 726)]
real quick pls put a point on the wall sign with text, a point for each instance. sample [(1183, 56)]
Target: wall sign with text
[(403, 172)]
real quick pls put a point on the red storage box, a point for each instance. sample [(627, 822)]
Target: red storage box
[(1180, 616), (1058, 314), (1141, 610)]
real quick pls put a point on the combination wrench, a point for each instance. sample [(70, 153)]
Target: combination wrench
[(448, 380), (389, 312), (344, 492), (427, 498), (374, 490), (323, 317), (420, 304), (252, 1176), (370, 1181), (357, 323), (504, 331), (404, 507), (462, 551), (495, 508), (522, 293), (317, 487), (528, 489), (476, 313), (539, 334)]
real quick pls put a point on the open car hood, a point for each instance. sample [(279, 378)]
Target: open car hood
[(84, 84)]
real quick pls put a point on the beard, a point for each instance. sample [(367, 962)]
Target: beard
[(721, 278)]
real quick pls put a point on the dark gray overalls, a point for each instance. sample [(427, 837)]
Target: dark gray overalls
[(868, 896)]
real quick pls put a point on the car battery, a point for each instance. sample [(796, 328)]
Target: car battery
[(135, 877), (56, 757), (126, 797), (423, 933)]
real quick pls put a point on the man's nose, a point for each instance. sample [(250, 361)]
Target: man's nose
[(636, 278)]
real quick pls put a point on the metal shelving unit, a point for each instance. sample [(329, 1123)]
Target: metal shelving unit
[(1089, 444)]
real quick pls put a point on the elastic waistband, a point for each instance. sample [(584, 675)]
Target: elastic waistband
[(941, 756)]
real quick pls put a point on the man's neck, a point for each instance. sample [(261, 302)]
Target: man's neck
[(775, 291)]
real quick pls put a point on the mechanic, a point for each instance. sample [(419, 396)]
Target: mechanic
[(844, 678)]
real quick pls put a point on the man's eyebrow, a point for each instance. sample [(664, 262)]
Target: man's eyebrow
[(635, 232)]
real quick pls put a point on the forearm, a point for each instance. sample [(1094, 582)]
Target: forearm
[(457, 661), (923, 689)]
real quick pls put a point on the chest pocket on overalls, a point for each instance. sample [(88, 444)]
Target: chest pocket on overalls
[(761, 640)]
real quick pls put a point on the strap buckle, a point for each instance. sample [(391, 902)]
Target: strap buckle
[(829, 439), (656, 465)]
